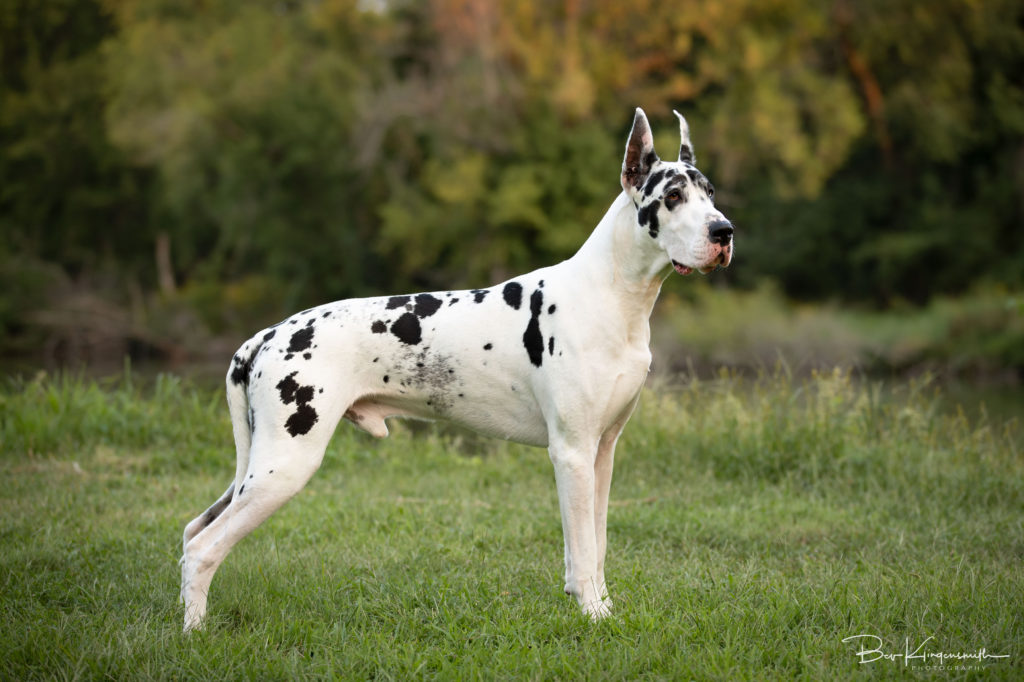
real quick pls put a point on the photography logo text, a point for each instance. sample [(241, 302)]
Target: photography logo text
[(872, 649)]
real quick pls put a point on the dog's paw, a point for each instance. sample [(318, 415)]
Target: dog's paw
[(598, 609)]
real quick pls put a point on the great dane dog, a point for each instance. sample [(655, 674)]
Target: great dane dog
[(554, 358)]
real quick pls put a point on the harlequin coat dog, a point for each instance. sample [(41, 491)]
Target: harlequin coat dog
[(554, 358)]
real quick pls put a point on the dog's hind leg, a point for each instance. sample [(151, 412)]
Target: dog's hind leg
[(277, 471), (197, 524)]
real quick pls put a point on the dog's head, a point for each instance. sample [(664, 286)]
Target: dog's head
[(675, 202)]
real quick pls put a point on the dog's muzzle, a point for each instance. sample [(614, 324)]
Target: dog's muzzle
[(720, 252), (720, 232)]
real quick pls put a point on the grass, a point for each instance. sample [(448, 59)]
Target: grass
[(755, 524)]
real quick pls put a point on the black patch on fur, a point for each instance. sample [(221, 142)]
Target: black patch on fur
[(407, 329), (386, 378), (327, 314), (301, 340), (243, 365), (240, 374), (378, 327), (513, 294), (551, 309), (307, 355), (533, 340), (685, 153), (426, 305), (241, 490), (396, 302), (287, 388), (671, 203), (551, 345), (453, 301), (479, 295), (302, 420), (488, 346), (653, 181), (648, 215)]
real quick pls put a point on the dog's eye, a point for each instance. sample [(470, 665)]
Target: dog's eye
[(673, 196)]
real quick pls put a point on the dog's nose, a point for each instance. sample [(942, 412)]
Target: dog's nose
[(720, 232)]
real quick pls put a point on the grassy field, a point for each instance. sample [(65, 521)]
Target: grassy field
[(755, 524)]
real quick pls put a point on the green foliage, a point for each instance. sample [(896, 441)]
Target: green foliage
[(754, 525), (867, 150), (979, 334)]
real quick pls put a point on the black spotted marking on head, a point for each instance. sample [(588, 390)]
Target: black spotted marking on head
[(426, 305), (301, 340), (676, 194), (269, 335), (653, 180), (396, 302), (551, 309), (685, 153), (648, 216), (551, 345), (378, 327), (513, 294), (386, 378), (479, 295), (541, 284), (307, 356), (302, 420), (327, 314), (533, 340), (241, 490), (488, 346), (453, 301), (407, 329), (289, 356)]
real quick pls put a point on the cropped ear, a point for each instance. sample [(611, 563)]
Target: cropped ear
[(686, 154), (640, 155)]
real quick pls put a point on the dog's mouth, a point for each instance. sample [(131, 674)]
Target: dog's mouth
[(723, 259), (687, 270), (681, 269)]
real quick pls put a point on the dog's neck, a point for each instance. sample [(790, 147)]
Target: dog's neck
[(620, 258)]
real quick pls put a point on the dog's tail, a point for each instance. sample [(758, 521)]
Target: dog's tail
[(237, 382)]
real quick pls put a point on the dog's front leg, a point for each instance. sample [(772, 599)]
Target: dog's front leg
[(574, 477)]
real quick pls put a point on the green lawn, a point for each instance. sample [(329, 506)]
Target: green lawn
[(755, 525)]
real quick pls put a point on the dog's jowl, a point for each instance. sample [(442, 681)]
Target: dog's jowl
[(554, 358)]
